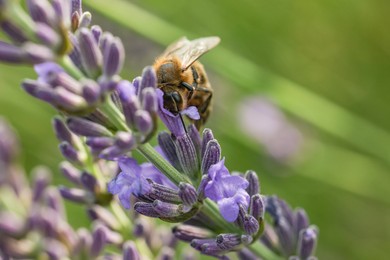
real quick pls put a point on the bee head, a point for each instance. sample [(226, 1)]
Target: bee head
[(173, 101)]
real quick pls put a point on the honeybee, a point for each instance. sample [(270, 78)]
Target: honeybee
[(183, 79)]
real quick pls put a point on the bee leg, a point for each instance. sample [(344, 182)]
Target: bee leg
[(189, 87), (206, 103), (204, 108)]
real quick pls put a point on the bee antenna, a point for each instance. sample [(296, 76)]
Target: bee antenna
[(181, 117), (182, 121)]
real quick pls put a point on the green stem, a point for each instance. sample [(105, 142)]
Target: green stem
[(123, 219), (70, 68), (144, 249), (262, 251), (93, 167), (115, 116), (163, 165)]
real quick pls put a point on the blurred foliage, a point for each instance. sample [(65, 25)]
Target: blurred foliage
[(325, 63)]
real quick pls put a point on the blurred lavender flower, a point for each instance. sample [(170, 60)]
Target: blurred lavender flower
[(39, 36), (33, 221), (8, 144), (280, 138), (291, 233)]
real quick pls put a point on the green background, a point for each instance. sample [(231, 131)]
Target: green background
[(324, 63)]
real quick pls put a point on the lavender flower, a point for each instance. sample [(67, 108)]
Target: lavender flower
[(133, 180), (174, 122), (227, 190), (32, 214), (8, 144)]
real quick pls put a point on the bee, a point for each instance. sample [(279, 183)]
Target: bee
[(183, 79)]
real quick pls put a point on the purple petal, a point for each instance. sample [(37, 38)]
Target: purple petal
[(124, 197), (44, 70), (129, 165), (242, 197), (229, 209), (232, 184), (149, 171), (214, 191), (191, 112), (173, 122), (218, 170)]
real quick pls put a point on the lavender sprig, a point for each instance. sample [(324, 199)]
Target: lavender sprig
[(104, 118), (33, 219)]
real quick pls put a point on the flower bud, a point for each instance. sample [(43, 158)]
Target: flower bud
[(256, 208), (70, 153), (76, 195), (149, 101), (188, 233), (13, 32), (307, 242), (11, 54), (193, 133), (228, 241), (207, 136), (186, 153), (85, 19), (85, 127), (168, 147), (61, 130), (91, 57), (113, 57), (130, 251), (91, 91), (251, 225), (163, 193), (70, 172), (146, 209), (143, 122), (212, 155), (187, 194), (42, 179), (301, 220), (254, 184), (88, 181), (149, 79)]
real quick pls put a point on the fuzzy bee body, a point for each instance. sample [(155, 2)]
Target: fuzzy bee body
[(183, 79)]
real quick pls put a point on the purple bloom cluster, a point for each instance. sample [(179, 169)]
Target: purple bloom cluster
[(81, 78), (42, 36), (94, 62), (198, 158), (33, 219)]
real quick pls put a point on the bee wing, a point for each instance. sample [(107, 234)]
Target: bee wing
[(192, 50), (175, 46)]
